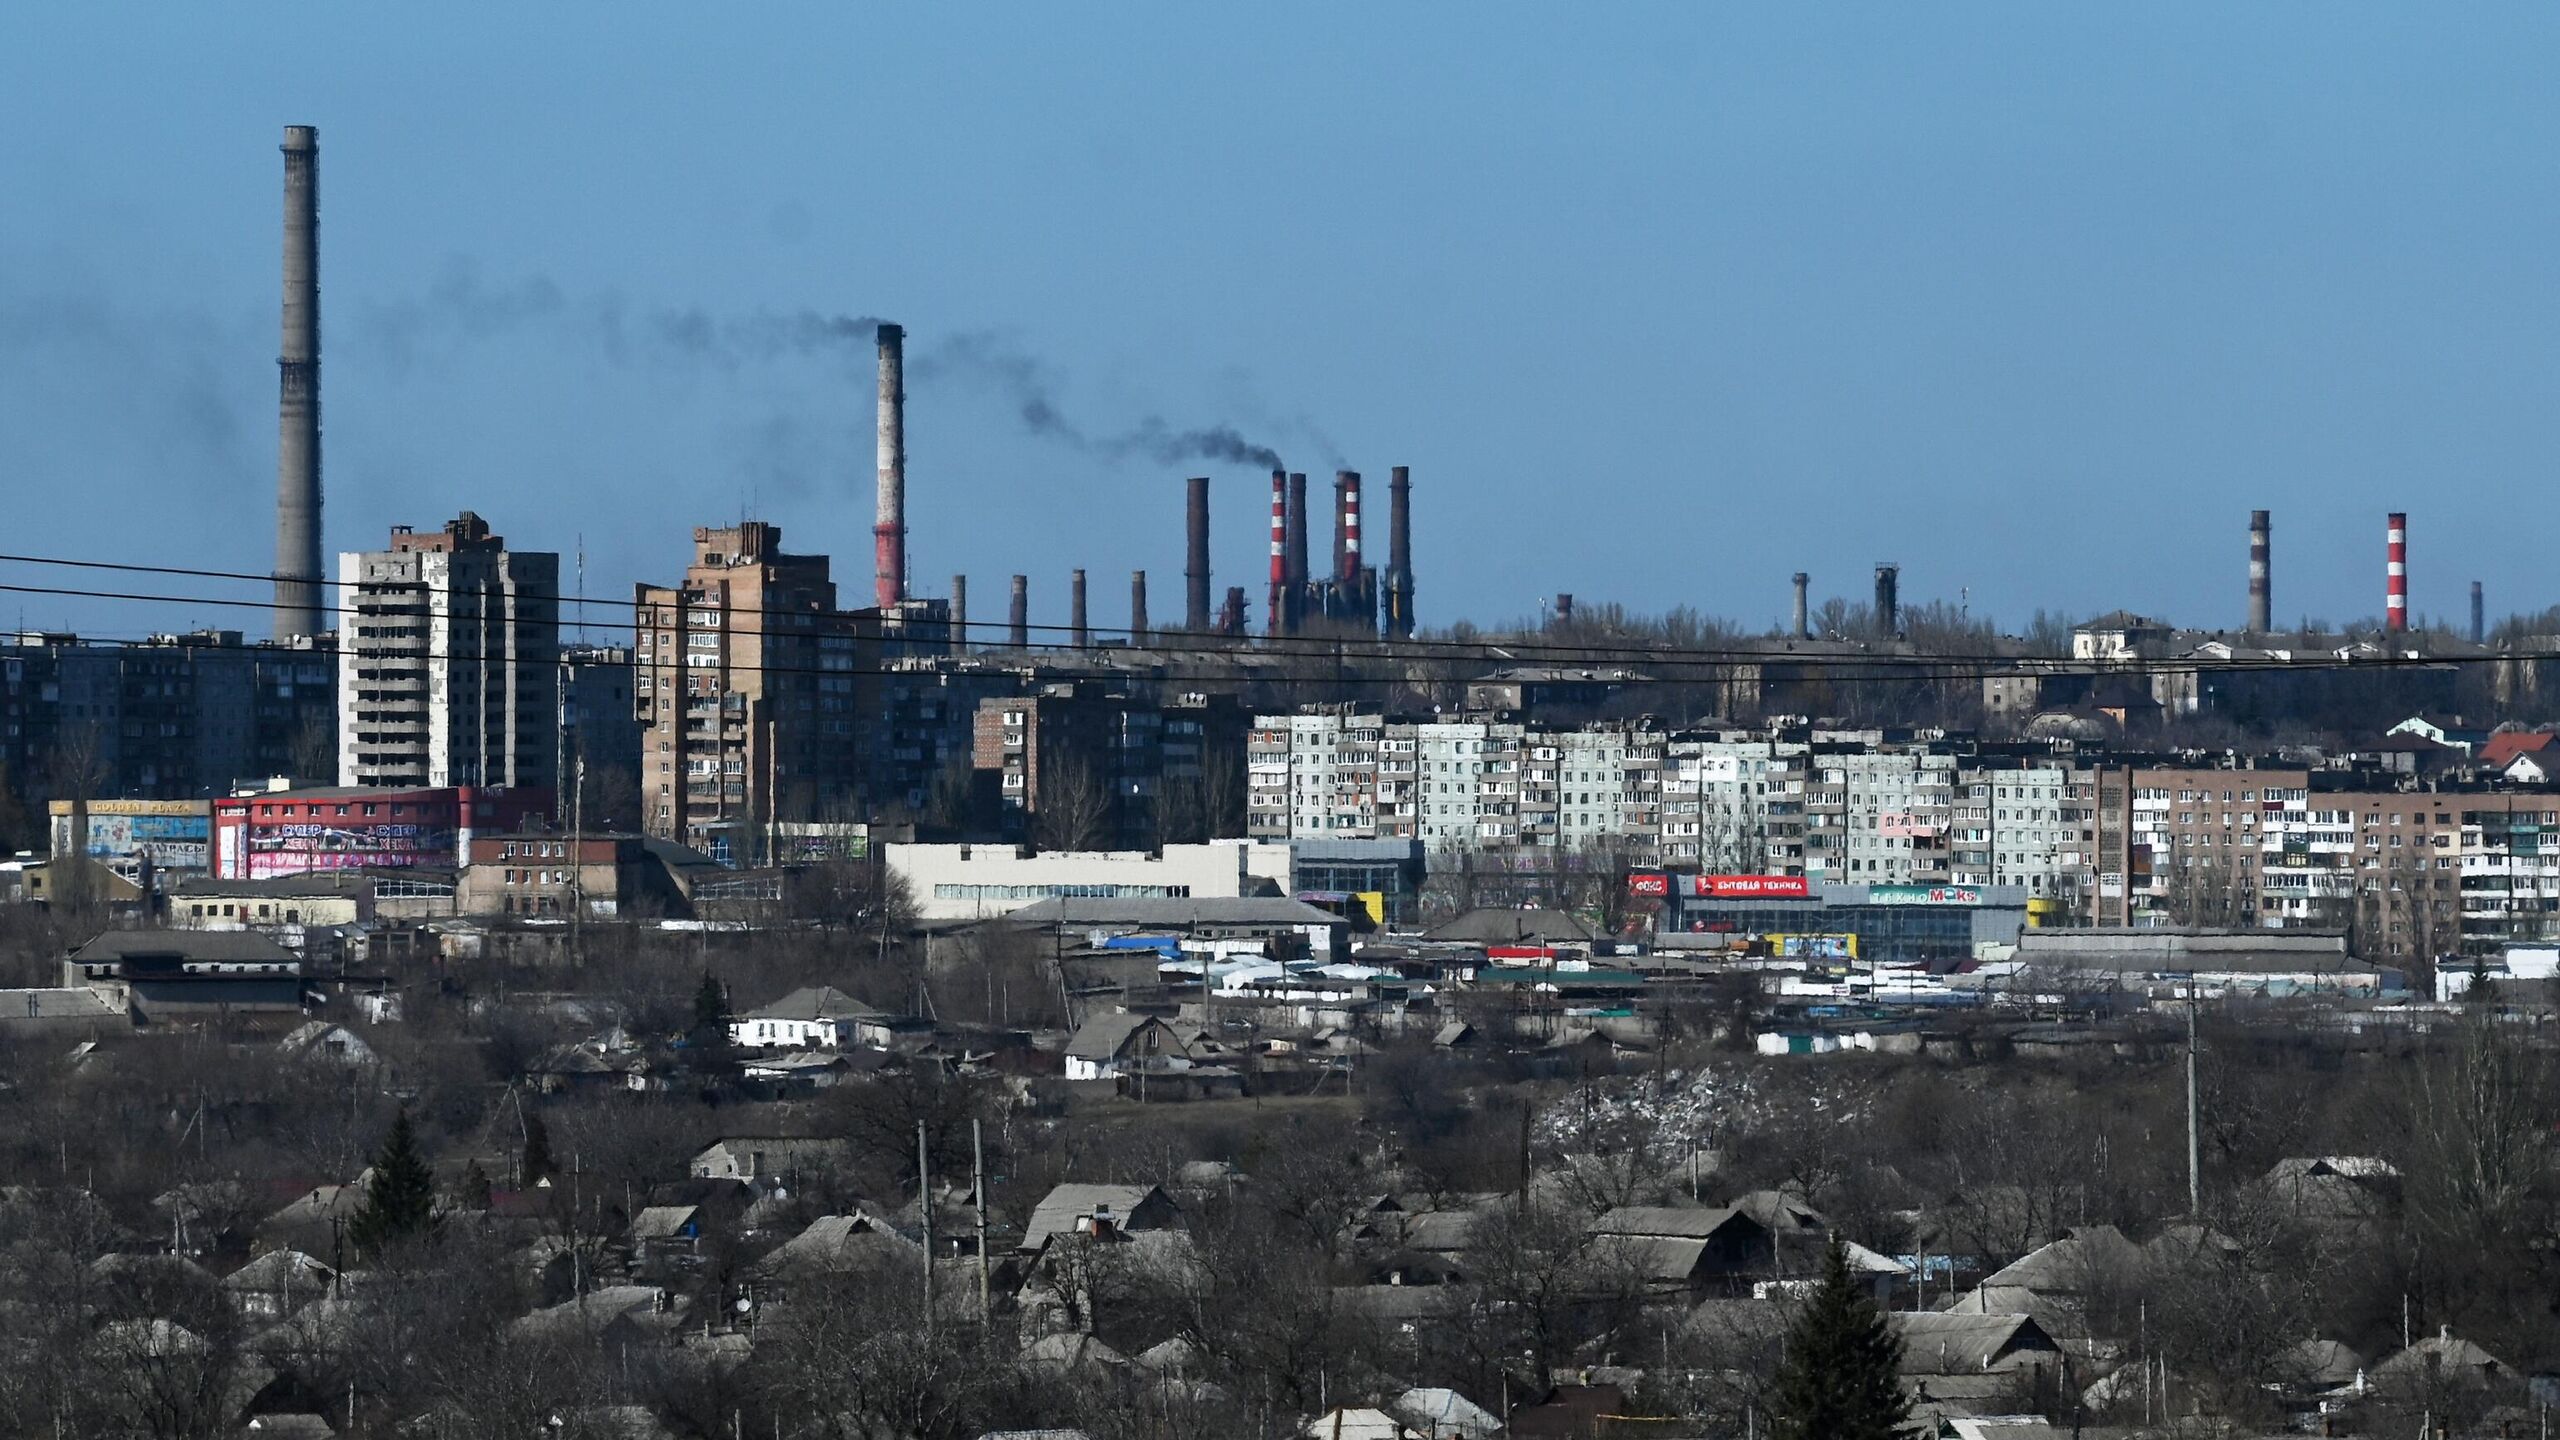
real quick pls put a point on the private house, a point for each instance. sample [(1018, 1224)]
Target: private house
[(1688, 1248), (817, 1017), (320, 1042), (1098, 1210), (1107, 1046), (787, 1160)]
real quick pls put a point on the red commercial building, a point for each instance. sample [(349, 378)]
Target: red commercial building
[(299, 832)]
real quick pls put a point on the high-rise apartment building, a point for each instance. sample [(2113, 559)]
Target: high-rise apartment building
[(448, 661), (749, 682)]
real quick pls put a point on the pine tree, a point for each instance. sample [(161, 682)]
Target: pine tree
[(711, 1009), (1840, 1378), (476, 1189), (400, 1199)]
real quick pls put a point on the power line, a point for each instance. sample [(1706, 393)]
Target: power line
[(1865, 670), (1367, 648)]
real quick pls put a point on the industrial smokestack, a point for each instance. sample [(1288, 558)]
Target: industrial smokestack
[(1018, 630), (1564, 606), (1348, 483), (1079, 634), (1889, 600), (1279, 624), (1231, 618), (1195, 566), (2479, 617), (1804, 613), (1298, 576), (2261, 553), (298, 394), (2395, 573), (889, 535), (1138, 607), (959, 612), (1346, 504), (1399, 553)]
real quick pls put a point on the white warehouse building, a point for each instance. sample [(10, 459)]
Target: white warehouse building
[(978, 882)]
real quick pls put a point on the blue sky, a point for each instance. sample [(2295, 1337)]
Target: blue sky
[(1660, 302)]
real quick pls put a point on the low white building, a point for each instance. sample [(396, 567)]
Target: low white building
[(820, 1017), (977, 882)]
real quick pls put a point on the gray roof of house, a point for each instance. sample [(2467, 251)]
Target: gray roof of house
[(1101, 1037), (813, 1002), (1161, 912), (1682, 1222), (1934, 1343), (236, 946), (1058, 1211)]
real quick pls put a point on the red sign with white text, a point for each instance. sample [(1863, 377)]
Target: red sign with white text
[(1752, 887), (1649, 882)]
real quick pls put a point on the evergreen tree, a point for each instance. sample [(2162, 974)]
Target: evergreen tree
[(400, 1199), (537, 1152), (476, 1190), (1839, 1380), (711, 1009)]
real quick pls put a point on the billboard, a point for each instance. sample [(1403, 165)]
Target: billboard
[(1650, 884), (302, 847), (171, 834), (1924, 895), (1815, 947), (1751, 887)]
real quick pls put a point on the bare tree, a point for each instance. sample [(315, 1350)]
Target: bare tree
[(1072, 810)]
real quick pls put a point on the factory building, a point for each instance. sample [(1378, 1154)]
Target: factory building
[(448, 662)]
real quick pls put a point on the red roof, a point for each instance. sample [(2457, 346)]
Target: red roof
[(2502, 749)]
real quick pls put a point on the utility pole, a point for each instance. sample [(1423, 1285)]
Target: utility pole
[(978, 1189), (2195, 1167), (924, 1208)]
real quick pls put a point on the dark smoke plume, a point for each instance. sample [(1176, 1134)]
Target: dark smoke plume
[(460, 307)]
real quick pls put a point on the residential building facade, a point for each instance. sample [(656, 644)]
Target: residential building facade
[(448, 666)]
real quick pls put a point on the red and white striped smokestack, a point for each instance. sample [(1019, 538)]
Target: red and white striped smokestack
[(2395, 570), (2261, 601), (889, 534), (1348, 482), (1279, 551)]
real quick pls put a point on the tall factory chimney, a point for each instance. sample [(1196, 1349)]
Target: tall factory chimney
[(1137, 607), (1889, 600), (2261, 552), (1399, 553), (1350, 482), (1279, 552), (889, 534), (1298, 576), (1804, 613), (1018, 627), (1346, 527), (1195, 562), (1079, 634), (2479, 617), (2395, 573), (298, 571), (959, 612)]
